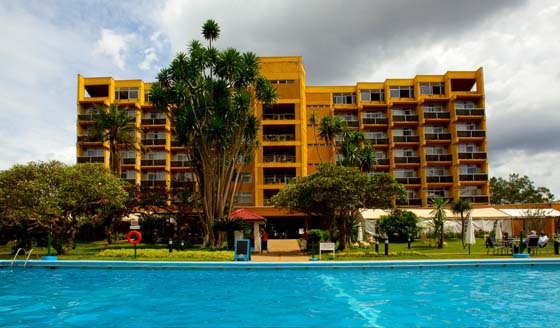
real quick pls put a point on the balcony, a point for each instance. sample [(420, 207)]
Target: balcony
[(407, 160), (437, 115), (153, 162), (153, 142), (410, 201), (379, 141), (437, 136), (409, 180), (87, 117), (278, 117), (470, 112), (473, 155), (128, 161), (478, 199), (353, 123), (406, 138), (277, 179), (153, 183), (382, 161), (471, 134), (91, 159), (284, 158), (431, 198), (154, 121), (375, 120), (279, 137), (439, 158), (181, 163), (473, 177), (405, 118), (439, 179)]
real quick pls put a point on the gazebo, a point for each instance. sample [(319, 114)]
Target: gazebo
[(249, 216)]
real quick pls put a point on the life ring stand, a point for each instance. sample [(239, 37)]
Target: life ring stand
[(134, 233)]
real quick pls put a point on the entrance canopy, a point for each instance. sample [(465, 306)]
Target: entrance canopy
[(520, 213), (425, 213), (246, 215)]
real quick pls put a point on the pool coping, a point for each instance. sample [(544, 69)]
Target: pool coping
[(275, 265)]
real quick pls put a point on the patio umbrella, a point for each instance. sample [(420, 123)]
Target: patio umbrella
[(499, 230), (469, 237)]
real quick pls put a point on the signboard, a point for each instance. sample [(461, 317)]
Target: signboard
[(242, 250), (134, 224)]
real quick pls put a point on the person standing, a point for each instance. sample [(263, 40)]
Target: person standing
[(264, 241)]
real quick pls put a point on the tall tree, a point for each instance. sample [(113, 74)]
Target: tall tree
[(212, 96), (439, 217), (329, 128), (356, 151), (336, 194), (113, 125), (460, 207), (517, 190)]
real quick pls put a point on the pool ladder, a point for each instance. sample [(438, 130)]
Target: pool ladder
[(17, 253)]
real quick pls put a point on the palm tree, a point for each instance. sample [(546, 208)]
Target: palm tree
[(459, 207), (211, 31), (114, 126), (439, 216), (329, 128)]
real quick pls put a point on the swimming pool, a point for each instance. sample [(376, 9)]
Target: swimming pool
[(466, 295)]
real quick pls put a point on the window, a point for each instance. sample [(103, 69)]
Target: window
[(434, 192), (437, 171), (374, 115), (282, 81), (379, 154), (469, 169), (435, 129), (405, 173), (405, 152), (155, 176), (128, 175), (126, 93), (470, 191), (155, 135), (471, 126), (183, 176), (181, 157), (94, 152), (154, 155), (432, 88), (245, 178), (244, 197), (154, 115), (397, 111), (465, 105), (434, 108), (469, 148), (369, 135), (404, 132), (344, 98), (372, 95), (412, 194), (436, 151), (128, 154), (147, 95), (401, 92)]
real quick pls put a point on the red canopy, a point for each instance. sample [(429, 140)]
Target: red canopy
[(246, 215)]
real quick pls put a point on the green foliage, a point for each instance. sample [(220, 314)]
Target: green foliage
[(211, 95), (164, 254), (461, 206), (317, 235), (399, 225), (518, 190), (229, 226), (42, 197), (439, 217)]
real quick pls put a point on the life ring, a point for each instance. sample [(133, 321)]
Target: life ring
[(134, 233)]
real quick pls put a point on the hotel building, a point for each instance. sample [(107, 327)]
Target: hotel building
[(429, 132)]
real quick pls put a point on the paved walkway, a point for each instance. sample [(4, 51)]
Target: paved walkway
[(281, 250)]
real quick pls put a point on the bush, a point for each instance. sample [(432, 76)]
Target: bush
[(399, 225)]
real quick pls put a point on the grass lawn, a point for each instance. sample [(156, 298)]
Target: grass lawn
[(122, 250)]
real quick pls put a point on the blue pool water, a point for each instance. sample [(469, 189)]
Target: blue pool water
[(468, 296)]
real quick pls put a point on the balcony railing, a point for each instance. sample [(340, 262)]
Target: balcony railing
[(471, 134), (474, 155), (279, 137), (480, 199), (181, 163), (285, 158), (408, 159), (382, 161), (153, 183), (153, 142), (410, 201), (375, 120), (437, 136), (437, 115), (276, 117), (128, 161), (277, 179), (91, 159), (352, 122), (409, 180), (87, 117), (85, 139), (439, 158), (153, 162), (439, 178), (379, 141), (431, 198), (405, 118), (470, 112), (473, 177), (154, 121), (406, 138)]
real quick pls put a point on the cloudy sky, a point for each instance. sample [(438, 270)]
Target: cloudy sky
[(45, 44)]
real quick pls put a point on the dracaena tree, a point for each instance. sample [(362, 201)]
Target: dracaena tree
[(211, 95)]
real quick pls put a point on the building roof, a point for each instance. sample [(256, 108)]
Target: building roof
[(477, 213), (245, 215)]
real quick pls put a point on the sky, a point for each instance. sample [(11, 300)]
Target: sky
[(45, 44)]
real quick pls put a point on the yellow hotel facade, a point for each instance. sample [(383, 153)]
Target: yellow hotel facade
[(429, 132)]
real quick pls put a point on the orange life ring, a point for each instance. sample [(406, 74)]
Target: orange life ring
[(134, 233)]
